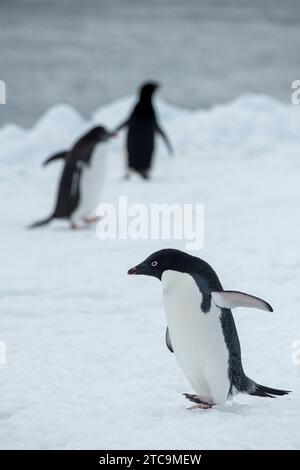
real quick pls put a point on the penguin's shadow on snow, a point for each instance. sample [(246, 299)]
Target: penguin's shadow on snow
[(66, 229), (6, 414), (236, 409)]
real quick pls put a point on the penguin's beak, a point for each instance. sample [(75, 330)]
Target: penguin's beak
[(113, 135), (132, 271), (139, 269)]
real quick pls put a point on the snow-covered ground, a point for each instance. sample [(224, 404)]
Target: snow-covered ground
[(87, 365)]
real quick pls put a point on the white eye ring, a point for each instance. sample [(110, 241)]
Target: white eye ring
[(154, 263)]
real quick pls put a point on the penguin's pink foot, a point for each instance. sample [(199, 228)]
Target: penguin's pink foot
[(91, 220), (75, 226), (202, 406), (201, 402)]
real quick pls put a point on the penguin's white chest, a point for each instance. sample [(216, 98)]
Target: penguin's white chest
[(196, 337), (91, 183)]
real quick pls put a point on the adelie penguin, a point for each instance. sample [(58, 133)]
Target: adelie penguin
[(142, 126), (81, 180), (201, 329)]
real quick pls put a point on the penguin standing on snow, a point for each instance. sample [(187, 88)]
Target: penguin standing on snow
[(201, 329), (81, 180), (142, 126)]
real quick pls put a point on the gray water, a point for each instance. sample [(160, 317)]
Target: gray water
[(87, 53)]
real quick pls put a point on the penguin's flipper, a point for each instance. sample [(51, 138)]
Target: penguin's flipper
[(57, 156), (231, 299), (168, 341), (80, 164), (76, 181), (122, 125), (164, 137)]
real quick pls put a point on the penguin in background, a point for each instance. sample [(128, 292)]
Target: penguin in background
[(201, 330), (142, 126), (81, 179)]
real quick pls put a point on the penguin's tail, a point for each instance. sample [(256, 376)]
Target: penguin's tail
[(40, 223), (57, 156), (262, 391)]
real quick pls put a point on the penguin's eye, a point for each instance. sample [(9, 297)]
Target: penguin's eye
[(154, 263)]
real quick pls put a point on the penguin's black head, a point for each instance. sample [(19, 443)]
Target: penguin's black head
[(147, 89), (99, 134), (167, 259)]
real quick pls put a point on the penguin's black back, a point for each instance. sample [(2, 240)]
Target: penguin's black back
[(68, 195), (141, 131), (68, 191), (140, 138)]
